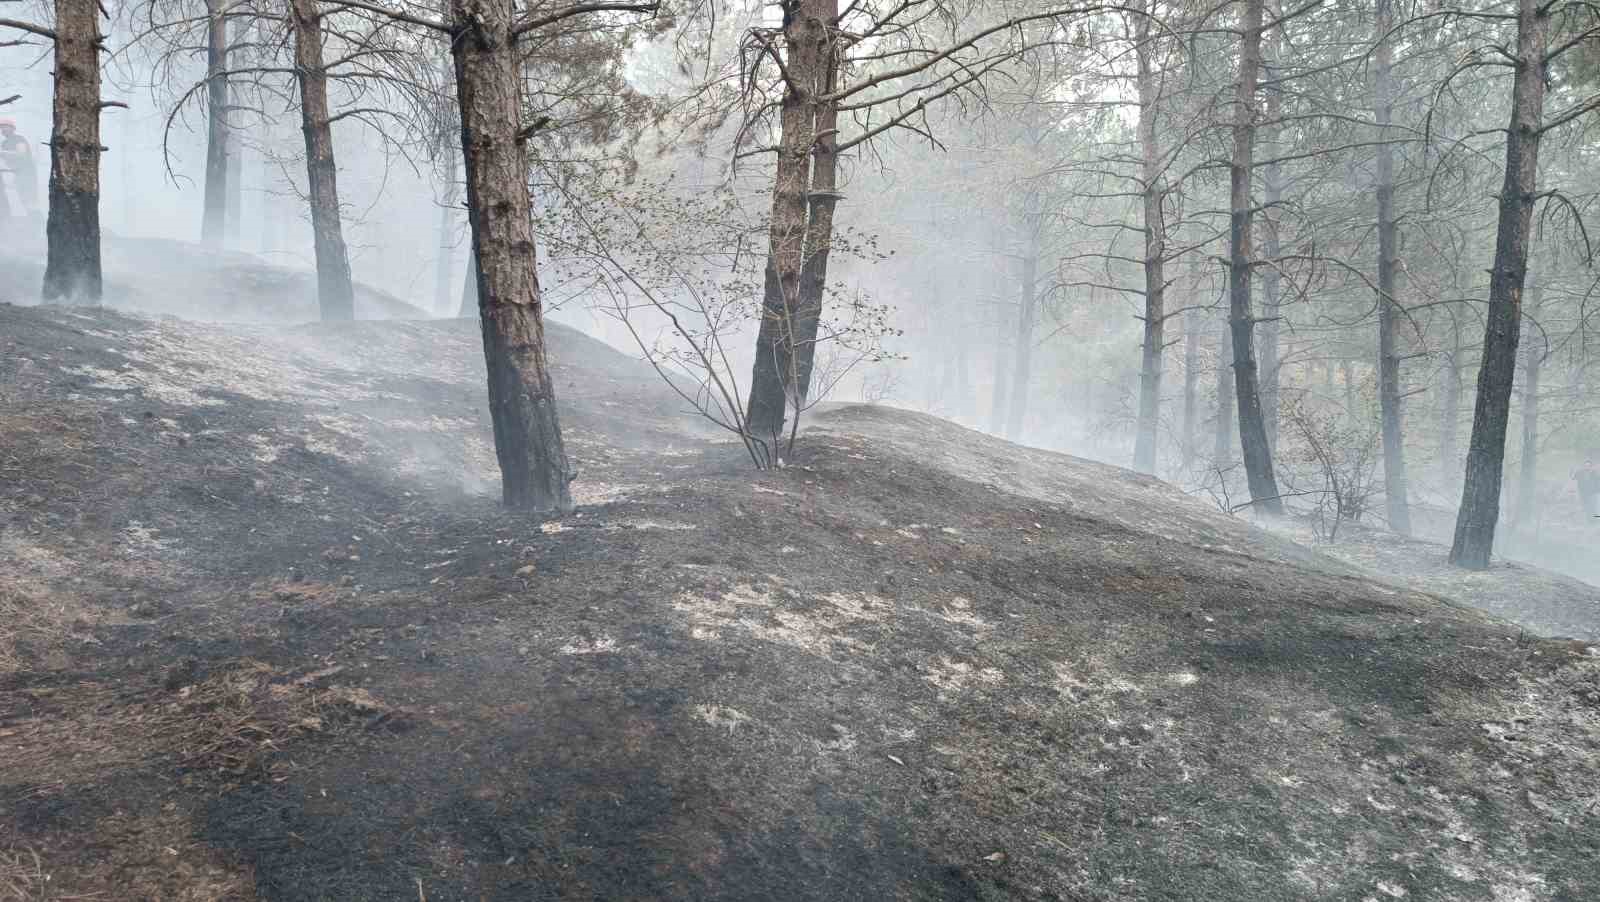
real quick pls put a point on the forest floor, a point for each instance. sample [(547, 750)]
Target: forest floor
[(265, 634)]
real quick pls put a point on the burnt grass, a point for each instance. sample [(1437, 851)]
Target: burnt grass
[(274, 639)]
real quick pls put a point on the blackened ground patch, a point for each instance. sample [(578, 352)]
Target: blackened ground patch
[(277, 624)]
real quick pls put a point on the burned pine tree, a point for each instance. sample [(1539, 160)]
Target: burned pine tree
[(805, 39), (219, 138), (1480, 494), (819, 80), (1152, 192), (335, 287), (72, 227), (1253, 444), (1394, 461)]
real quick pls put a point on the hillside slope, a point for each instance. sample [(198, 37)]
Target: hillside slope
[(268, 637), (164, 277)]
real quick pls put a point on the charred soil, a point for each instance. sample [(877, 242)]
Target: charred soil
[(264, 633)]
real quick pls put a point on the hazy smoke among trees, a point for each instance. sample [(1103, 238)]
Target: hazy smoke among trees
[(1201, 241)]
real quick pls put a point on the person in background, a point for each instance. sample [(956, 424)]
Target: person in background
[(1586, 479), (17, 156)]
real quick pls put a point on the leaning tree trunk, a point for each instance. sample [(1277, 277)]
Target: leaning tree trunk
[(823, 198), (72, 229), (335, 290), (1252, 430), (1532, 364), (1155, 316), (772, 377), (1394, 458), (1480, 493), (534, 471), (213, 222), (1022, 361)]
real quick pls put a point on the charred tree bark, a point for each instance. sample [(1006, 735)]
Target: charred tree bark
[(1155, 316), (534, 470), (772, 377), (1394, 457), (72, 228), (1532, 365), (823, 198), (1252, 430), (335, 289), (213, 221), (1480, 493)]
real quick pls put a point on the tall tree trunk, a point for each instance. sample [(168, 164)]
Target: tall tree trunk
[(1394, 459), (1480, 493), (1222, 448), (1022, 360), (534, 471), (823, 198), (72, 229), (1252, 430), (213, 219), (772, 377), (1191, 386), (1155, 316), (335, 290), (1532, 364)]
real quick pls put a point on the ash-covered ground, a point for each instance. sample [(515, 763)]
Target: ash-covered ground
[(265, 634)]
